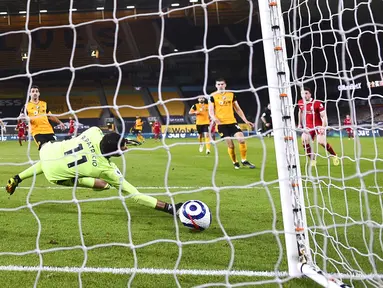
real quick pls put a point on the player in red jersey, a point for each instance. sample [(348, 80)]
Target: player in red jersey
[(347, 123), (156, 128), (21, 128), (71, 127), (313, 118)]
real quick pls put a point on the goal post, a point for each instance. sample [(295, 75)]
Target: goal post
[(286, 148)]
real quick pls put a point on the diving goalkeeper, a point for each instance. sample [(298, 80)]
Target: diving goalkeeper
[(85, 161)]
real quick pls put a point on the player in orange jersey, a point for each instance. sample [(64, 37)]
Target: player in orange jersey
[(313, 118), (21, 128), (38, 113), (138, 129), (221, 108), (201, 110)]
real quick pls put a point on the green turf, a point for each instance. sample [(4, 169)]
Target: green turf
[(252, 213)]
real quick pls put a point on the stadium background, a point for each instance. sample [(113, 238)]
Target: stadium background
[(138, 40)]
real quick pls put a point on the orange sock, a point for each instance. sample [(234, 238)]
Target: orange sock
[(243, 151), (231, 152), (207, 141)]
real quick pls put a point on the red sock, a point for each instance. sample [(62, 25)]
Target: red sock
[(307, 148), (330, 150)]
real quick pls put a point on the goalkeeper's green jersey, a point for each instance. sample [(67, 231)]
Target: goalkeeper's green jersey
[(78, 156), (81, 156)]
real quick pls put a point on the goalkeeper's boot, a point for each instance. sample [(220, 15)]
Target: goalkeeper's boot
[(12, 184), (176, 206), (248, 164), (236, 165), (335, 160)]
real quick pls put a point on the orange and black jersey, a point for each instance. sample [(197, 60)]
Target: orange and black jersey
[(224, 106), (139, 124), (37, 114), (203, 117)]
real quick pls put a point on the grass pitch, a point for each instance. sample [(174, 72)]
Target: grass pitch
[(344, 213)]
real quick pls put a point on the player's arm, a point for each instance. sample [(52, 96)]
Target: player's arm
[(55, 119), (193, 110), (323, 116), (114, 177), (300, 115), (240, 113)]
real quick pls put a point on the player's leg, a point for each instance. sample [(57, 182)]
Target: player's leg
[(322, 141), (20, 138), (307, 138), (213, 135), (231, 152), (350, 134), (27, 173), (135, 132), (200, 137), (207, 139), (141, 136), (243, 149)]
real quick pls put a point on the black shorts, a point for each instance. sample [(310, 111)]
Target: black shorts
[(228, 130), (41, 139), (202, 128), (136, 131)]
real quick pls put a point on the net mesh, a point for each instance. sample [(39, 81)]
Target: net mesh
[(335, 51), (344, 205)]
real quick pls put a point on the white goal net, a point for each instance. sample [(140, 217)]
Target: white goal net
[(334, 48), (154, 62)]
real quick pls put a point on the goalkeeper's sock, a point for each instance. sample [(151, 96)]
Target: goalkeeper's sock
[(307, 148), (28, 173), (330, 150), (231, 152), (243, 151)]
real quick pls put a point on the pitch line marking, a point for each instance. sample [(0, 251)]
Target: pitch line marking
[(172, 187), (173, 272)]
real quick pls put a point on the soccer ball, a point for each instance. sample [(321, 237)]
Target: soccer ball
[(195, 215)]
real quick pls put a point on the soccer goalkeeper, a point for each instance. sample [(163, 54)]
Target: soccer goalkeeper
[(85, 159)]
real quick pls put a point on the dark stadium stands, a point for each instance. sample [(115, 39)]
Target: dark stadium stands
[(175, 108), (127, 97)]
